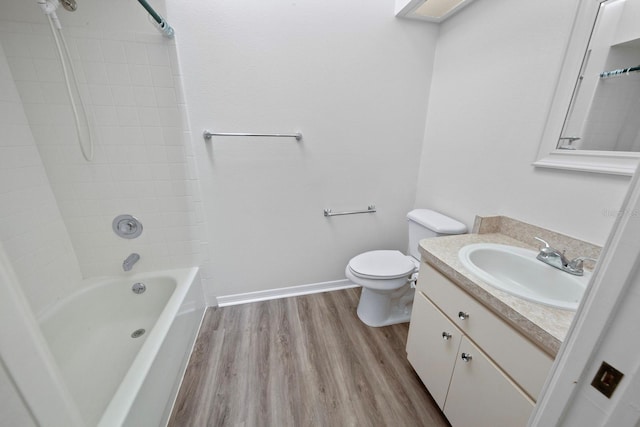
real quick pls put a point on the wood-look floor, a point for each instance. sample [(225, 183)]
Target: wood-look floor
[(301, 361)]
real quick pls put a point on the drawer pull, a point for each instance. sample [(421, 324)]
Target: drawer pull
[(446, 336), (463, 315), (466, 357)]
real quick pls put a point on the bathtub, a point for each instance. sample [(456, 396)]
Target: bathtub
[(122, 354)]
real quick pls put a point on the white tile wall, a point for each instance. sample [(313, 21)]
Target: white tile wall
[(31, 226), (143, 158)]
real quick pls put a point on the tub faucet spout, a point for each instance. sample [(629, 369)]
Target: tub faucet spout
[(128, 263)]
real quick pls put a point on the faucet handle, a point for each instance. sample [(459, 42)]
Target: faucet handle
[(576, 263), (546, 245), (543, 241), (546, 249)]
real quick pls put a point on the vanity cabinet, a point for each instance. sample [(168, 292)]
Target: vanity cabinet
[(479, 370)]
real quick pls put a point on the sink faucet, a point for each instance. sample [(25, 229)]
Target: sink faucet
[(128, 263), (556, 259)]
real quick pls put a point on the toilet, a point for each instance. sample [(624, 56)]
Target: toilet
[(388, 277)]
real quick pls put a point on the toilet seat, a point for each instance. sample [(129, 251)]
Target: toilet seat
[(381, 265)]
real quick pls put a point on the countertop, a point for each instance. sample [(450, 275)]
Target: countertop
[(543, 325)]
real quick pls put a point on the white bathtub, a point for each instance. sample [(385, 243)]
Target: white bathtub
[(115, 379)]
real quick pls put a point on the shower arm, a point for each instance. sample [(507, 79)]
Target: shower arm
[(163, 26)]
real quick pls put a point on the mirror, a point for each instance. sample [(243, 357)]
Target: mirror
[(593, 124), (603, 114)]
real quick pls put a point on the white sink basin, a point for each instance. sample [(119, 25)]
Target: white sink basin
[(517, 271)]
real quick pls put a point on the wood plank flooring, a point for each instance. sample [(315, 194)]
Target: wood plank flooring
[(301, 361)]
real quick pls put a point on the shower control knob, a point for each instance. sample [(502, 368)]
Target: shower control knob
[(127, 226), (466, 357), (463, 315), (446, 336)]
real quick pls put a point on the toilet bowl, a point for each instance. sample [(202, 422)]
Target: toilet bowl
[(388, 277), (386, 280)]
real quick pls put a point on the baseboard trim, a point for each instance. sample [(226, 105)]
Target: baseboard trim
[(292, 291)]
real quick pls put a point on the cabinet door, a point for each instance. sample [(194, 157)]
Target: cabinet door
[(432, 346), (481, 395)]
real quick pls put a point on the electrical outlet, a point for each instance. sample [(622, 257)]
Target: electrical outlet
[(607, 379)]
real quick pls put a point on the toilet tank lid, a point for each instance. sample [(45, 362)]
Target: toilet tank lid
[(437, 222)]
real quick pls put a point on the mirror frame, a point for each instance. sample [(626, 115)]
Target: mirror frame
[(608, 162)]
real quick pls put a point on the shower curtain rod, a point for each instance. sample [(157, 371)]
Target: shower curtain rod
[(163, 26), (619, 72)]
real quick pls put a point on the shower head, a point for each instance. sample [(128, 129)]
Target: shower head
[(69, 5)]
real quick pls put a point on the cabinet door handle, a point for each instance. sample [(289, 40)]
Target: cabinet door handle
[(466, 357), (446, 336), (463, 315)]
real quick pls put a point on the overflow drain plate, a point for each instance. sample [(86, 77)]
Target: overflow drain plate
[(138, 288)]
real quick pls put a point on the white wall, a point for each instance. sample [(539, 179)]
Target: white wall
[(31, 226), (354, 80), (144, 165), (496, 67)]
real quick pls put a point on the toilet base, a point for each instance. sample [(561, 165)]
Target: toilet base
[(383, 309)]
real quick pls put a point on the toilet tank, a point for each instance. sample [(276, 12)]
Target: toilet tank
[(425, 223)]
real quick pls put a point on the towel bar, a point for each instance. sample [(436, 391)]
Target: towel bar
[(370, 209), (207, 135)]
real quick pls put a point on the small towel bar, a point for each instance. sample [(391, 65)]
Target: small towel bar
[(370, 209), (207, 135)]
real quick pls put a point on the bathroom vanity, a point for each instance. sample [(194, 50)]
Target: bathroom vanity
[(483, 354)]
